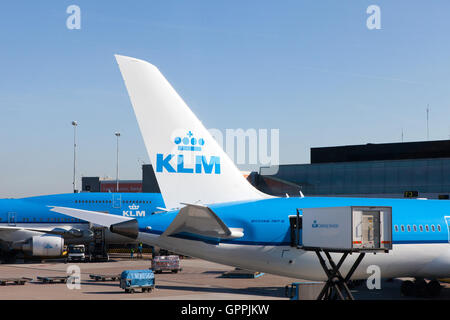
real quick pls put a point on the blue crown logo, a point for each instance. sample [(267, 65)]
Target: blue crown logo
[(189, 143)]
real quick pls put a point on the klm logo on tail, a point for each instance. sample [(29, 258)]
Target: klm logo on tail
[(191, 144)]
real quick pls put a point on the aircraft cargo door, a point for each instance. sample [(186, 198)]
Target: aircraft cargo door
[(12, 218), (117, 200), (295, 223), (447, 221)]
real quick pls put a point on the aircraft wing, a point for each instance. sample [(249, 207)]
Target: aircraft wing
[(9, 229), (199, 221), (56, 231), (102, 219)]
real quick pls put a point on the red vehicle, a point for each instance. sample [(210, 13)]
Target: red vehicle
[(166, 263)]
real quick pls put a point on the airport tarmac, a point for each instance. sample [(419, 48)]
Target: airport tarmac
[(199, 280)]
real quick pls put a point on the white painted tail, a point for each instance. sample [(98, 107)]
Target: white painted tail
[(189, 164)]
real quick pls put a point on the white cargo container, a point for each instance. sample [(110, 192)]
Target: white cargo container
[(347, 228)]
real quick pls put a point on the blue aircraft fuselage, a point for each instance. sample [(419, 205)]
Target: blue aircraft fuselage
[(420, 237), (35, 211), (266, 222)]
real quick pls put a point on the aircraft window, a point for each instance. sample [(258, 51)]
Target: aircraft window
[(34, 219), (409, 228), (421, 228), (396, 228), (0, 219), (427, 228), (109, 201), (432, 228), (403, 228), (41, 219), (439, 227), (415, 228)]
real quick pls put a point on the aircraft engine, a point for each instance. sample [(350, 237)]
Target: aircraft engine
[(42, 246)]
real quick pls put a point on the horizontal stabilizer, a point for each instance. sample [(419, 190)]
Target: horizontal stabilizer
[(198, 220), (99, 218)]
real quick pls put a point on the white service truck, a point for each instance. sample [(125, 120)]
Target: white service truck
[(352, 228), (76, 253)]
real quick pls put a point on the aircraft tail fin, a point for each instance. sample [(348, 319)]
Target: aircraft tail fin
[(189, 164)]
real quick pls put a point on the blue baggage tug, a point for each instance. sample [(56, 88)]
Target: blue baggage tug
[(133, 279)]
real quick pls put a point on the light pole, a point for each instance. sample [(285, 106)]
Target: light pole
[(74, 124), (117, 167)]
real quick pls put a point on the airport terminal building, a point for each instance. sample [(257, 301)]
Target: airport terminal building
[(394, 170)]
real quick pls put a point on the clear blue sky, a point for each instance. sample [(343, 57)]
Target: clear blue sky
[(310, 68)]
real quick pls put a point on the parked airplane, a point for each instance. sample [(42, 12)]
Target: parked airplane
[(28, 225), (216, 215)]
